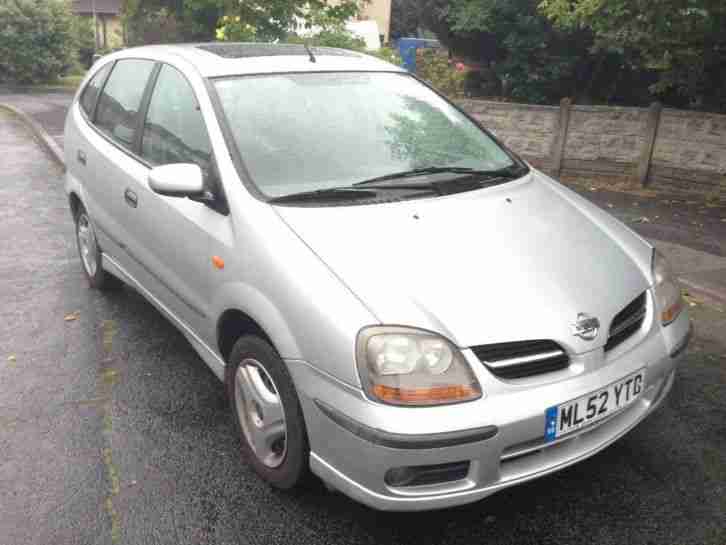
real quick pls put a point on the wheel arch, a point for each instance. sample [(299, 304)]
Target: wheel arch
[(233, 324)]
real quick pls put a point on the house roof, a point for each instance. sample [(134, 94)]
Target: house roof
[(112, 7)]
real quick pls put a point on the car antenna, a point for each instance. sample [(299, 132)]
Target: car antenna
[(310, 52)]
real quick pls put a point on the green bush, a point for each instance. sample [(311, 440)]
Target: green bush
[(154, 26), (387, 54), (232, 29), (37, 40), (331, 37), (85, 40), (436, 68)]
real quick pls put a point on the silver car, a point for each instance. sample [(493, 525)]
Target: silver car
[(394, 300)]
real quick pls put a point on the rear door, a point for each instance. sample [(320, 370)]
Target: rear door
[(107, 158)]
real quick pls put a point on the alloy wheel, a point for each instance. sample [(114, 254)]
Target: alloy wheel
[(260, 413)]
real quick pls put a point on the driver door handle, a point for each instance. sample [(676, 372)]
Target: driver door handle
[(131, 199)]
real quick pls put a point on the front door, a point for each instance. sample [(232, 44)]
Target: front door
[(174, 233)]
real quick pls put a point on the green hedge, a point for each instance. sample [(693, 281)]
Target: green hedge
[(37, 40)]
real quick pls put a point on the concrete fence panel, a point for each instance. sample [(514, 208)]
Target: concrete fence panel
[(649, 145)]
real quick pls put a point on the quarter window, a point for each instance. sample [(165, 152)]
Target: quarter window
[(90, 93), (174, 130), (117, 113)]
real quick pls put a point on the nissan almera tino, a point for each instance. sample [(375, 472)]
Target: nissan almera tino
[(393, 299)]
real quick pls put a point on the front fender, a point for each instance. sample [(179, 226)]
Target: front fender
[(254, 303)]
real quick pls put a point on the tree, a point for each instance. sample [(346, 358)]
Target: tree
[(198, 20), (527, 57), (406, 18), (37, 40), (274, 19), (684, 41)]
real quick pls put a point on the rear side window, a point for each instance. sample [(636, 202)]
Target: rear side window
[(118, 107), (90, 93), (174, 130)]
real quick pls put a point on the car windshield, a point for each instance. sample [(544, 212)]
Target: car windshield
[(302, 132)]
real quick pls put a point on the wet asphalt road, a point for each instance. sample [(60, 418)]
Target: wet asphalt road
[(112, 430)]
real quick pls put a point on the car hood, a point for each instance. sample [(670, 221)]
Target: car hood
[(517, 261)]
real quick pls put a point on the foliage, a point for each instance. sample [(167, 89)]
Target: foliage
[(520, 54), (85, 40), (203, 20), (387, 54), (682, 40), (330, 38), (37, 40), (274, 19), (150, 25), (405, 18), (232, 29), (437, 69), (533, 61)]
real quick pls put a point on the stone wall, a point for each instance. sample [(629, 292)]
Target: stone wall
[(665, 147)]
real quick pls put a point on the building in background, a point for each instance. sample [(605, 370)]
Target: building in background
[(380, 12), (372, 11), (109, 29)]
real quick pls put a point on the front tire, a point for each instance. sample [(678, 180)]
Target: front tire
[(268, 413), (90, 254)]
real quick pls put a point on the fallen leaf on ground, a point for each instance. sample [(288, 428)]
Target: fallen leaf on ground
[(691, 300), (72, 316)]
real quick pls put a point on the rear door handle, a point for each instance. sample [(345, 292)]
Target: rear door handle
[(131, 199), (81, 156)]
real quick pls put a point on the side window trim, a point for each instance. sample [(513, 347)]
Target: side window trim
[(214, 179), (91, 120), (92, 116), (144, 109)]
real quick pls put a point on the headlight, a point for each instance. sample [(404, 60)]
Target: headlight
[(668, 301), (406, 366)]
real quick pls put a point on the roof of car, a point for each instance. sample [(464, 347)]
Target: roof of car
[(219, 59)]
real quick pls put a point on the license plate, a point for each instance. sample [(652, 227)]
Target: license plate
[(588, 409)]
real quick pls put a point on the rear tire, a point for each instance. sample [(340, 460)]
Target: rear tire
[(268, 413), (90, 253)]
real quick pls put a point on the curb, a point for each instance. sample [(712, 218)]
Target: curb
[(46, 141), (704, 291)]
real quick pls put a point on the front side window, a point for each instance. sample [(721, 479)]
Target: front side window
[(117, 112), (90, 93), (174, 130), (312, 131)]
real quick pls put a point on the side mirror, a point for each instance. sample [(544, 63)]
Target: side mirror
[(177, 180)]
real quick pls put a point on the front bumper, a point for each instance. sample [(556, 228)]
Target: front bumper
[(355, 442)]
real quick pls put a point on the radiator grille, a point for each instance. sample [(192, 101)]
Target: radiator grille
[(627, 322), (522, 359)]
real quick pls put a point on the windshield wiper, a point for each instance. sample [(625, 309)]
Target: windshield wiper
[(336, 193), (472, 179), (508, 173)]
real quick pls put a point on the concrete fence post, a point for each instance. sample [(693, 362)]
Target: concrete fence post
[(558, 145), (651, 131)]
